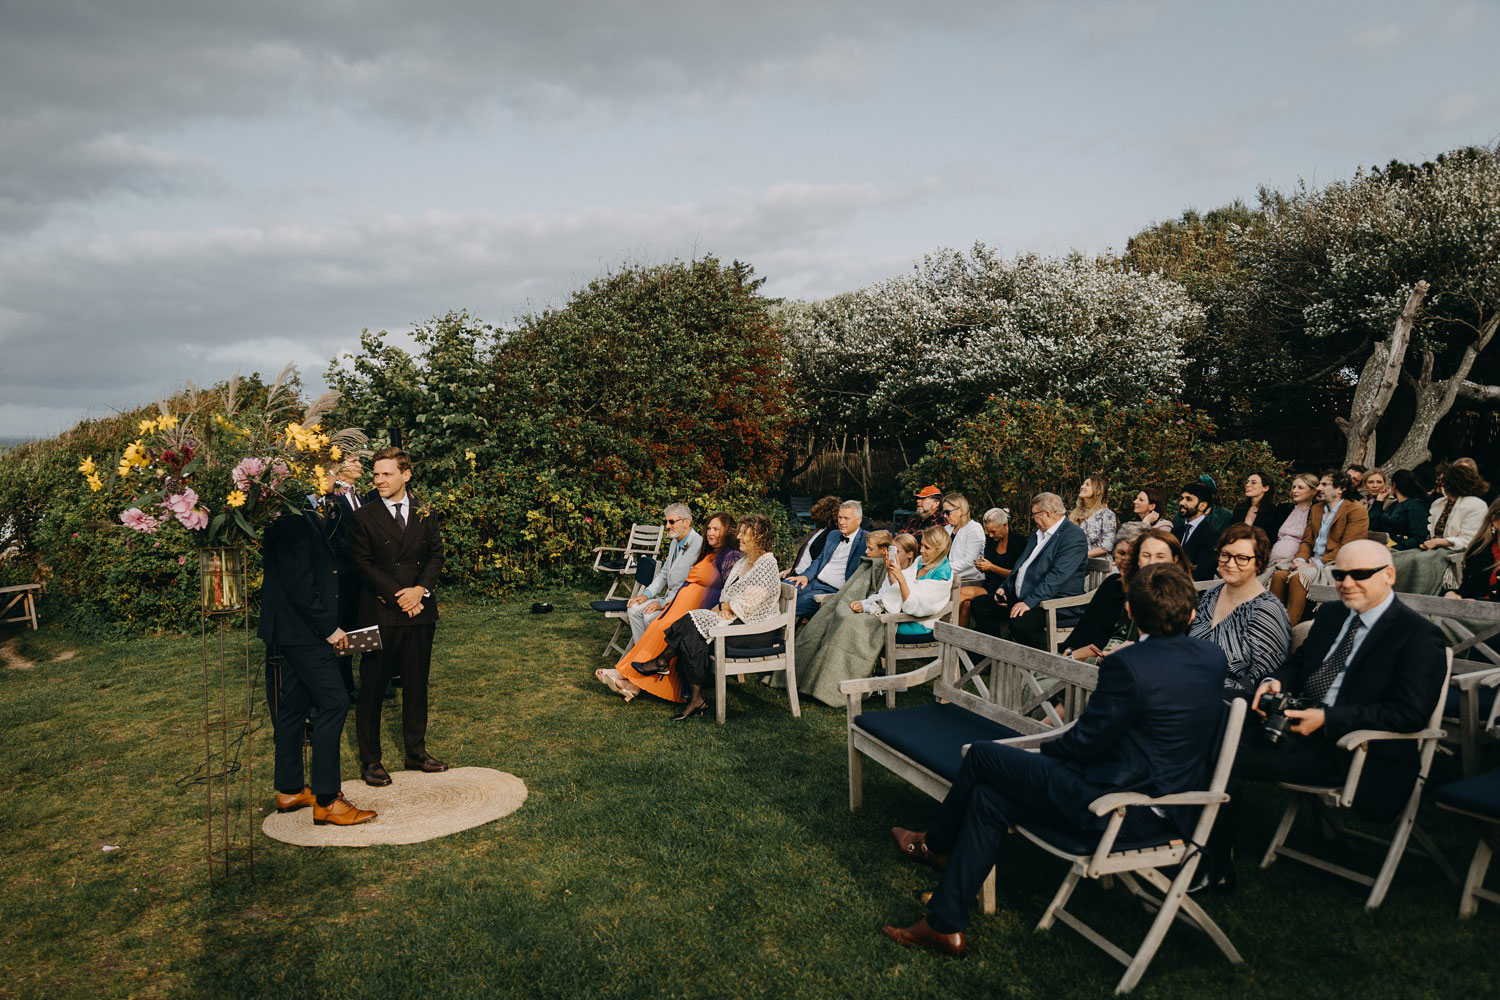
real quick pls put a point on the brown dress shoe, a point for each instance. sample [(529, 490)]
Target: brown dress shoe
[(426, 762), (376, 775), (920, 935), (340, 812), (913, 847), (297, 800)]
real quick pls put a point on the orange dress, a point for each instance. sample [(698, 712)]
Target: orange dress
[(703, 575)]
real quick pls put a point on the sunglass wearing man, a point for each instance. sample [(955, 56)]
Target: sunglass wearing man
[(1370, 662)]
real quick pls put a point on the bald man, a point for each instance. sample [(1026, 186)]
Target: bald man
[(1370, 662)]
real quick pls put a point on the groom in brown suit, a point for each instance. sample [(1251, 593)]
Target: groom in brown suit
[(399, 554)]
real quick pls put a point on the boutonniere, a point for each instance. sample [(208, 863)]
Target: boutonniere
[(423, 511)]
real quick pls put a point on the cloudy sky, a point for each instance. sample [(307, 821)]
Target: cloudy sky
[(193, 188)]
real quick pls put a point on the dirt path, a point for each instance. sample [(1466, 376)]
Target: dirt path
[(12, 657)]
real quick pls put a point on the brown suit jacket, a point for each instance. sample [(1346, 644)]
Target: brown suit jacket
[(1350, 524)]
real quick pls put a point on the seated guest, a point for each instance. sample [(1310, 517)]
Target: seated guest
[(823, 515), (1148, 507), (1092, 514), (1146, 549), (1370, 662), (1001, 548), (840, 557), (929, 512), (1333, 523), (1481, 562), (1490, 494), (751, 594), (1453, 520), (1356, 474), (1150, 727), (1288, 537), (1194, 529), (1104, 616), (966, 547), (1376, 490), (1401, 512), (1239, 616), (1219, 516), (1259, 506), (699, 590), (682, 551), (1053, 564)]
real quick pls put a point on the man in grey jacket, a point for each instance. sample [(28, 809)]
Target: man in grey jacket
[(683, 549)]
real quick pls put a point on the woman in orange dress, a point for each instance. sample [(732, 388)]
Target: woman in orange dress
[(700, 590)]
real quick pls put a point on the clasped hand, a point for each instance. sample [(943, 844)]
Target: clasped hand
[(409, 599)]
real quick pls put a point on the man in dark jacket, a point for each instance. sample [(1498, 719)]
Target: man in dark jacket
[(299, 621), (1150, 727), (1195, 530)]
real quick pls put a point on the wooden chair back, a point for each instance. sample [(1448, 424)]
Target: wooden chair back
[(1008, 682)]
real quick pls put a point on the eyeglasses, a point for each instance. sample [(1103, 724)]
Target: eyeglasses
[(1358, 574), (1234, 557)]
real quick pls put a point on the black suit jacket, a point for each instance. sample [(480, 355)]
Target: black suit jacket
[(299, 597), (342, 515), (1153, 724), (1199, 547), (1268, 520), (391, 559), (1392, 683)]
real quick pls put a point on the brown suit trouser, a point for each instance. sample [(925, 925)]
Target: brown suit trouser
[(405, 650)]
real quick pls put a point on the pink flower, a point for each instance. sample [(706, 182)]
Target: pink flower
[(195, 519), (279, 471), (181, 503), (248, 469), (588, 520), (139, 520), (181, 560)]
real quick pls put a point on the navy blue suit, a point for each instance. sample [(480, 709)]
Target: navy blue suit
[(1058, 571), (806, 606), (1151, 727)]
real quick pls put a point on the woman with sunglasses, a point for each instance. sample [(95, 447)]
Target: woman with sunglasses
[(1240, 615), (965, 549)]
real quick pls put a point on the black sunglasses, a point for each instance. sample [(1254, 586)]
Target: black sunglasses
[(1358, 574)]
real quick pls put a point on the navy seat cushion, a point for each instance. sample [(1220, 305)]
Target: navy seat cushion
[(750, 652), (932, 735), (1086, 841), (1479, 794), (914, 639), (1486, 702), (612, 564), (605, 606)]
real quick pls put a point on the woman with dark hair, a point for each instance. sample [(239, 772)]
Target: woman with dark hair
[(1401, 513), (1453, 520), (1240, 615), (824, 514), (1259, 506), (721, 550), (1147, 507), (750, 596), (1481, 579), (1104, 618)]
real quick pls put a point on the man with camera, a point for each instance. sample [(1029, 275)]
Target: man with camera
[(1370, 662)]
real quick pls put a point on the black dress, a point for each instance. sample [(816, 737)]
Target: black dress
[(1104, 617), (988, 611)]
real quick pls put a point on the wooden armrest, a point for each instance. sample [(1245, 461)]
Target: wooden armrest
[(1067, 602), (892, 682), (1035, 739), (1351, 740), (899, 617), (609, 548), (820, 598), (1475, 679), (1119, 800)]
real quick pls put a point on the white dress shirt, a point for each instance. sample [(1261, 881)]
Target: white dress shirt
[(1042, 538), (404, 503), (836, 569), (1189, 528)]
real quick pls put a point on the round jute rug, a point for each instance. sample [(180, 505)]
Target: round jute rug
[(413, 808)]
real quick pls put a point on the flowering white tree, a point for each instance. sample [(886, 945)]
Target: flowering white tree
[(907, 356)]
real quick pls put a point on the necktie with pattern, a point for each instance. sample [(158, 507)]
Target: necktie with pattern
[(1322, 678)]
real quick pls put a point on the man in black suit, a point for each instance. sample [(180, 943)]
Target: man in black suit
[(1194, 528), (1150, 727), (1370, 662), (300, 625), (343, 502), (399, 553)]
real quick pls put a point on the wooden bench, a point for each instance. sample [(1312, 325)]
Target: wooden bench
[(25, 595), (1472, 626), (986, 689)]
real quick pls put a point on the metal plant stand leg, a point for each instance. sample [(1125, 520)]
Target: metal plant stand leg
[(228, 714)]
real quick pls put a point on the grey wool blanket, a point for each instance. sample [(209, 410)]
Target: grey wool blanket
[(836, 644)]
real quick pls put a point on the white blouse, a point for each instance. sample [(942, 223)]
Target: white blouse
[(966, 547), (1466, 521), (751, 591), (926, 598)]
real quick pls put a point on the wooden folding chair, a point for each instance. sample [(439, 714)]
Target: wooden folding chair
[(23, 594), (617, 607), (1324, 800), (781, 655), (620, 560), (1144, 861), (922, 648)]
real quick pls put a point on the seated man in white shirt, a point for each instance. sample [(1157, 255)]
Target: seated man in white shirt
[(839, 558)]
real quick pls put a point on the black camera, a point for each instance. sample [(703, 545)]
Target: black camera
[(1275, 704)]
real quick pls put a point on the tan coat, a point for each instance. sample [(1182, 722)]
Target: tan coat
[(1350, 524)]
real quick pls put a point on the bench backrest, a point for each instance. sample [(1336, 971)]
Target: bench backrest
[(1010, 683)]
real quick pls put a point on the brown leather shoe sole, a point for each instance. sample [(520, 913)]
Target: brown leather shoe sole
[(291, 803)]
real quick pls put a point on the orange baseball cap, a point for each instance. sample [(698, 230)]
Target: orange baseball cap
[(929, 491)]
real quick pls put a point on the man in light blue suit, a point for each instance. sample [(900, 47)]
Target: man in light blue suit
[(839, 558), (682, 551), (1053, 564)]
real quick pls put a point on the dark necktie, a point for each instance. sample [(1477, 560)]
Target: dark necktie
[(1322, 678), (1188, 533), (400, 517)]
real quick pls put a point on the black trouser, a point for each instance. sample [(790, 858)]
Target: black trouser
[(999, 787), (405, 650), (987, 615), (1030, 629), (1303, 760), (309, 687)]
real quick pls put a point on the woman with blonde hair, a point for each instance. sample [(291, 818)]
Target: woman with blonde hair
[(1289, 532), (1093, 515)]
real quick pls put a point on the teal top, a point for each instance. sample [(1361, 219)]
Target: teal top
[(942, 571)]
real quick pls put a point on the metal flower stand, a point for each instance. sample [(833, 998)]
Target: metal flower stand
[(228, 711)]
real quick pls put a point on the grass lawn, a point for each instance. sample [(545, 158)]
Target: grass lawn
[(651, 859)]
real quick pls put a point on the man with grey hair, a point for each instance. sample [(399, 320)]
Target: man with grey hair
[(682, 551), (1053, 564), (839, 558)]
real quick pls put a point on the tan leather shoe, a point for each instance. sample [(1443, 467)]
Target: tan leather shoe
[(340, 812), (297, 800), (921, 935), (913, 847)]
